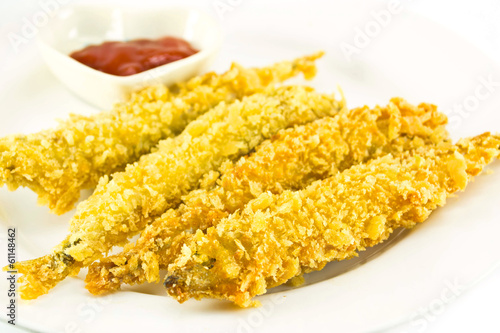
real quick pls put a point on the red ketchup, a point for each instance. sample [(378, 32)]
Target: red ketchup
[(135, 56)]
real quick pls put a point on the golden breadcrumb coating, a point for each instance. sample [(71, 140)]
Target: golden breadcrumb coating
[(124, 204), (292, 159), (277, 237), (58, 163)]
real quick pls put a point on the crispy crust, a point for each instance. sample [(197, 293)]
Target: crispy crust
[(277, 237), (123, 205), (290, 160), (58, 163)]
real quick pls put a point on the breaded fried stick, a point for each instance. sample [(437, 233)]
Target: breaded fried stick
[(278, 237), (58, 163), (122, 206), (290, 160)]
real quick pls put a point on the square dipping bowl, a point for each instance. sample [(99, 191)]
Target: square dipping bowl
[(78, 26)]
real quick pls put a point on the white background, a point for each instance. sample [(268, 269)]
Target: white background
[(477, 21)]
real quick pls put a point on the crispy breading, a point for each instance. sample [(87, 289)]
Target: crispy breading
[(290, 160), (277, 237), (124, 204), (58, 163)]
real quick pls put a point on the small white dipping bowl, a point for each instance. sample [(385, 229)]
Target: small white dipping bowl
[(78, 26)]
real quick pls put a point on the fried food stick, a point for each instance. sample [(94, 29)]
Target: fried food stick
[(278, 237), (122, 206), (290, 160), (56, 164)]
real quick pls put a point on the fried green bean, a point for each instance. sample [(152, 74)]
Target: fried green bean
[(278, 237), (292, 159), (122, 205), (57, 163)]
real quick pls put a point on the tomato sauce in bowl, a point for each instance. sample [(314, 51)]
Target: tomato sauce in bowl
[(134, 56)]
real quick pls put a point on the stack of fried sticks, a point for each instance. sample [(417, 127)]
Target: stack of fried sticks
[(235, 184)]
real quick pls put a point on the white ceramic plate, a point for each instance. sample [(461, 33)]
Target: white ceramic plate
[(410, 57)]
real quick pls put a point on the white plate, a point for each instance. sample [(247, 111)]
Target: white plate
[(411, 57)]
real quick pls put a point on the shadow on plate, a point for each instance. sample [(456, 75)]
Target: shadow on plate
[(330, 271)]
